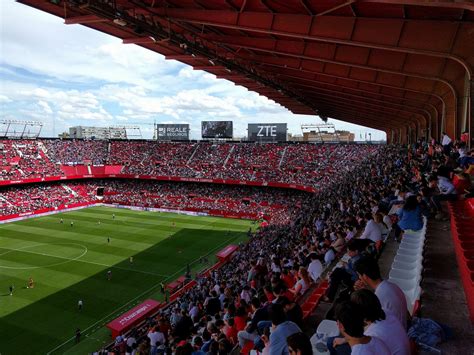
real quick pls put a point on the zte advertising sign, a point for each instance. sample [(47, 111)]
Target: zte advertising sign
[(267, 132), (168, 132)]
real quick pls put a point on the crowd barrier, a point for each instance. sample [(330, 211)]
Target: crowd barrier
[(158, 178)]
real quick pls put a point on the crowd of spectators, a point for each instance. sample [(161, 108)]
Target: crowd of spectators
[(23, 159), (262, 284), (255, 297), (301, 164), (279, 205), (276, 204), (92, 152), (30, 198)]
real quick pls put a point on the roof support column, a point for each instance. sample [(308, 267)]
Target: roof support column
[(470, 119), (464, 104), (404, 135), (442, 127)]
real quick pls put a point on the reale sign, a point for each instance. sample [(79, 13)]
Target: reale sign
[(168, 132)]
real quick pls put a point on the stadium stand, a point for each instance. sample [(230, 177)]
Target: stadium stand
[(238, 201), (277, 163), (306, 255), (271, 271)]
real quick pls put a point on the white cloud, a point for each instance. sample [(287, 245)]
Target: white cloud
[(92, 78), (45, 106), (4, 98)]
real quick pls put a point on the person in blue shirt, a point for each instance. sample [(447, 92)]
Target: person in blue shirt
[(281, 330), (410, 216)]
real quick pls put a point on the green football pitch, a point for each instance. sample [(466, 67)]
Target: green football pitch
[(70, 263)]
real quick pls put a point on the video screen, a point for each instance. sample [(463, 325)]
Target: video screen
[(216, 129)]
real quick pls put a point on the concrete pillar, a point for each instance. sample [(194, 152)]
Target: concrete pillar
[(470, 116)]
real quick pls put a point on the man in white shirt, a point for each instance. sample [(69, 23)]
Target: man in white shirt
[(446, 140), (350, 321), (447, 191), (315, 267), (156, 338), (446, 143), (391, 297), (372, 230)]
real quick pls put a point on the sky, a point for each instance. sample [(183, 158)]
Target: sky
[(70, 75)]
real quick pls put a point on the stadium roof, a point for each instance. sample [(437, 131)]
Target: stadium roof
[(402, 66)]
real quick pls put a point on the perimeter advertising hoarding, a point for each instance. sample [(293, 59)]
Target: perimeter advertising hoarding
[(168, 132), (216, 129), (267, 132)]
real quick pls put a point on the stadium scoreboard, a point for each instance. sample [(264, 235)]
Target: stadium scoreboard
[(267, 132), (168, 132), (216, 129)]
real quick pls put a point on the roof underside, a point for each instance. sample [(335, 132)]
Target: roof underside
[(386, 64)]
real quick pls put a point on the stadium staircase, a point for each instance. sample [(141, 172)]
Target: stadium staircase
[(407, 267), (71, 191), (282, 157), (228, 156), (192, 154)]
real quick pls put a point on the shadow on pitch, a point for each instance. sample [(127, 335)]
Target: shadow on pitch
[(41, 326)]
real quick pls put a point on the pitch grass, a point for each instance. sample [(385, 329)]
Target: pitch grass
[(70, 263)]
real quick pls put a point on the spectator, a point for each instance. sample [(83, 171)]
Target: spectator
[(276, 344), (447, 191), (346, 275), (156, 339), (292, 310), (372, 229), (446, 142), (329, 256), (351, 325), (410, 216), (315, 268), (384, 326), (391, 297), (260, 313), (299, 344), (303, 282)]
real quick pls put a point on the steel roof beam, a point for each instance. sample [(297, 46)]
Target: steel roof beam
[(228, 19), (361, 107), (361, 98), (369, 119), (452, 4), (281, 68), (421, 119), (85, 19), (338, 62)]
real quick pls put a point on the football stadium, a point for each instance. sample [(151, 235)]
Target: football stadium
[(224, 242)]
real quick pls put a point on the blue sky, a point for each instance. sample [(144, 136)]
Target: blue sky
[(67, 75)]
